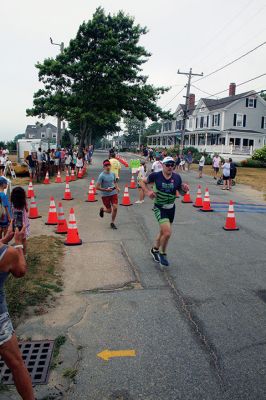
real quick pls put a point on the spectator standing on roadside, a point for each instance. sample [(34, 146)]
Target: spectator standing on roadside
[(79, 163), (5, 210), (12, 261), (216, 163), (2, 163), (233, 172), (157, 166), (62, 159), (151, 155), (201, 164), (142, 173), (182, 163), (39, 162), (226, 175), (189, 160), (68, 161), (19, 203), (31, 162), (57, 157)]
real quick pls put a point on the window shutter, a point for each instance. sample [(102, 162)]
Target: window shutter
[(196, 122), (219, 119), (234, 119), (247, 102), (208, 121), (213, 120), (255, 103), (244, 120), (262, 122)]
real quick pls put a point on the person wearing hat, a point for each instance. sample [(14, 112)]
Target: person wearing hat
[(165, 185), (107, 184)]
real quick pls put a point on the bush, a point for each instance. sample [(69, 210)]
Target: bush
[(260, 154), (253, 163)]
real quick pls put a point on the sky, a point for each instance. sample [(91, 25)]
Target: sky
[(202, 35)]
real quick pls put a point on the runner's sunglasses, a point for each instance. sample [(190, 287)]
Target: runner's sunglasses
[(169, 165)]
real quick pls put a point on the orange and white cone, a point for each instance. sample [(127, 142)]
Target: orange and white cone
[(126, 199), (58, 178), (30, 193), (67, 194), (91, 195), (187, 198), (33, 213), (80, 176), (73, 176), (68, 179), (206, 207), (62, 224), (52, 215), (230, 223), (132, 183), (46, 180), (93, 185), (72, 238), (198, 202)]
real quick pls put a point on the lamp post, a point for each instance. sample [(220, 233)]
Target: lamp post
[(58, 136)]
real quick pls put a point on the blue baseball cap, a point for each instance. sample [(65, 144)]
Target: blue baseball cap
[(3, 181)]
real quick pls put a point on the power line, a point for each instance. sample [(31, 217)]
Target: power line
[(174, 97), (231, 62), (222, 91)]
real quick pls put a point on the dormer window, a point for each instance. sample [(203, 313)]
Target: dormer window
[(251, 102)]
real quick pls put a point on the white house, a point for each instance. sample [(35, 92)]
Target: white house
[(235, 124)]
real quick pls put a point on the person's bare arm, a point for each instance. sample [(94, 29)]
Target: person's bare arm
[(144, 184), (14, 260), (98, 187)]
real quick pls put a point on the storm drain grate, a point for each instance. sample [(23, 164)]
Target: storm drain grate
[(37, 356)]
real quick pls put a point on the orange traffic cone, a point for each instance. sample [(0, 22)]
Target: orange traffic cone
[(187, 198), (52, 215), (132, 183), (58, 178), (30, 193), (62, 224), (206, 207), (33, 213), (80, 174), (46, 180), (126, 199), (68, 179), (73, 176), (73, 238), (198, 202), (91, 195), (230, 223), (93, 186), (67, 195)]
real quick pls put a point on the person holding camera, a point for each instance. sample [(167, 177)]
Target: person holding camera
[(20, 212), (12, 261)]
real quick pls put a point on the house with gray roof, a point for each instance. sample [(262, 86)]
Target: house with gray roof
[(47, 132), (235, 124)]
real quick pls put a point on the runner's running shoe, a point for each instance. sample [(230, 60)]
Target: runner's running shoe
[(113, 226), (101, 213), (155, 255), (163, 260)]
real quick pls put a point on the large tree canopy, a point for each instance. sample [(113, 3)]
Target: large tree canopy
[(98, 78)]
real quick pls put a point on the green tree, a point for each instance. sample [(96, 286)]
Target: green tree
[(97, 80), (134, 128)]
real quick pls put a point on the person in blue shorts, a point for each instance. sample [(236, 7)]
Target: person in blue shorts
[(165, 185)]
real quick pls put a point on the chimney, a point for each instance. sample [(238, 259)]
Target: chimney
[(232, 89), (191, 101)]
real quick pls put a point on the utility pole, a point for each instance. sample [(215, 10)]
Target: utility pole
[(186, 110), (59, 120)]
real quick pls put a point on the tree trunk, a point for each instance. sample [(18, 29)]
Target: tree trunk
[(83, 130)]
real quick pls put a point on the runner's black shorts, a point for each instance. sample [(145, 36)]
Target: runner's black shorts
[(164, 215)]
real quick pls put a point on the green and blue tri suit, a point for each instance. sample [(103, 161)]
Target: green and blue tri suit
[(165, 189)]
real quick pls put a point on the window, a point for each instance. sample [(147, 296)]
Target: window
[(190, 123), (201, 122), (43, 135), (251, 102), (216, 120), (263, 122), (169, 126), (206, 121), (54, 135), (240, 120), (31, 136)]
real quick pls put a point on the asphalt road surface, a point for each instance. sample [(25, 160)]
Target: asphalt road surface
[(196, 330)]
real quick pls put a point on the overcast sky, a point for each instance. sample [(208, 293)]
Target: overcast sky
[(202, 34)]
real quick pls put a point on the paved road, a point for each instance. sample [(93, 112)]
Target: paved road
[(198, 328)]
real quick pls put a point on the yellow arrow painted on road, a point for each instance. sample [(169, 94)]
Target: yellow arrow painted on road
[(107, 354)]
